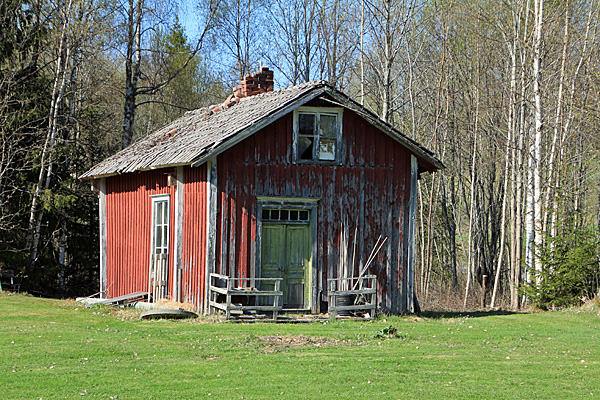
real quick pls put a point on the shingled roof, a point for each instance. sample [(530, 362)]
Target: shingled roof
[(202, 133)]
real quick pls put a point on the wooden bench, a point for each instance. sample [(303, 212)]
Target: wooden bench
[(226, 287), (361, 291)]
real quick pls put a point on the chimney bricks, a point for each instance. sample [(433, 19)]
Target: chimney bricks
[(256, 83)]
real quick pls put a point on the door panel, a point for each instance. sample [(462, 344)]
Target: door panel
[(272, 254), (286, 253), (297, 259)]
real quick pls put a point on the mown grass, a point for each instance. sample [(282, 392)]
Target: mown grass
[(54, 349)]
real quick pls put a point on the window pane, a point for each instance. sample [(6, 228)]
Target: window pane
[(275, 215), (327, 149), (165, 233), (294, 215), (306, 124), (304, 215), (158, 237), (265, 214), (166, 213), (284, 215), (328, 125), (305, 148), (158, 213)]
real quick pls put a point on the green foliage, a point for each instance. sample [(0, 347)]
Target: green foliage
[(185, 80), (570, 270)]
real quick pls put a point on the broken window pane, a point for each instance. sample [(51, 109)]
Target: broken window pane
[(305, 148)]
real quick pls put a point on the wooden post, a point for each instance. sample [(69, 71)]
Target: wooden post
[(178, 248), (102, 212), (412, 218), (211, 225), (276, 300), (228, 304), (484, 285)]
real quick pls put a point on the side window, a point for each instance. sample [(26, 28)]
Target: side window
[(317, 134), (160, 222)]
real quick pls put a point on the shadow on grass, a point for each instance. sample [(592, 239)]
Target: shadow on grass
[(462, 314)]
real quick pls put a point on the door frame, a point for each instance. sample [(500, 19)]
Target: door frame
[(158, 198), (297, 203)]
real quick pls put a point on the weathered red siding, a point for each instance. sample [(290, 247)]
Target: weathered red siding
[(370, 188), (128, 229), (194, 236), (129, 218)]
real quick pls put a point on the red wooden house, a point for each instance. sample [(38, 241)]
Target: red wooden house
[(258, 187)]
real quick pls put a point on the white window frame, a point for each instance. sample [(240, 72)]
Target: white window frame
[(157, 199), (318, 111)]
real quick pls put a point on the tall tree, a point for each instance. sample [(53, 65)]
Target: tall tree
[(136, 84)]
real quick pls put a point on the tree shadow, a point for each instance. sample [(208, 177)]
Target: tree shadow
[(470, 314)]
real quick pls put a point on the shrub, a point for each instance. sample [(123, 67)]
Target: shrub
[(570, 270)]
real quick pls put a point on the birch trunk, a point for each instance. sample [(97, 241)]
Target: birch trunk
[(549, 219), (534, 204), (35, 213)]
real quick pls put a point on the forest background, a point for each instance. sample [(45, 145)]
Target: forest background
[(505, 93)]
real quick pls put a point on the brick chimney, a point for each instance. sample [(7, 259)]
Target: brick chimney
[(256, 83)]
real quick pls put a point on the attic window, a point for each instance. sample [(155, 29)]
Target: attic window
[(317, 134)]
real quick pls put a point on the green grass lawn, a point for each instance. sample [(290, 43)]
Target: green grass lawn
[(54, 349)]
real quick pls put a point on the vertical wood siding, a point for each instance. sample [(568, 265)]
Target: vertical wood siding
[(128, 229), (129, 219), (370, 188), (194, 236)]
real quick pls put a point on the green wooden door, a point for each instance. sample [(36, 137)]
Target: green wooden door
[(286, 253)]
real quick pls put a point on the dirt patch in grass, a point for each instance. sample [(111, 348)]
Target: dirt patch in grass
[(276, 343)]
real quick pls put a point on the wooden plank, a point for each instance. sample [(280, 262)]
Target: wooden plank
[(211, 226), (315, 303), (102, 216), (178, 248), (125, 298), (411, 234)]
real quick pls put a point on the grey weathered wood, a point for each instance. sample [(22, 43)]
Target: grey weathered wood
[(211, 226), (125, 299), (396, 249), (257, 267), (231, 290), (388, 261), (411, 234), (178, 248), (102, 212), (224, 206), (367, 287), (315, 304)]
